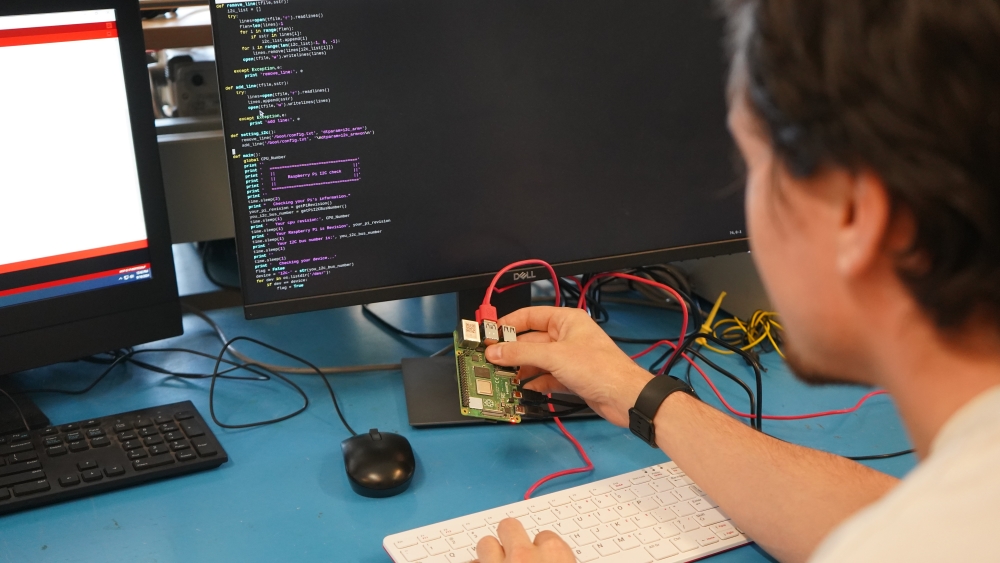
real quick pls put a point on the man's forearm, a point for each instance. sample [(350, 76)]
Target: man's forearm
[(786, 497)]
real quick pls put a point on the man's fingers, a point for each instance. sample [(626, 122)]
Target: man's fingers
[(489, 550), (541, 355), (536, 318), (538, 337), (546, 384), (512, 534)]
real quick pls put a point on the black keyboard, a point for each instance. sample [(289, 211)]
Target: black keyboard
[(93, 456)]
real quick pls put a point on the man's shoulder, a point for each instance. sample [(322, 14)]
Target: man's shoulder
[(944, 509)]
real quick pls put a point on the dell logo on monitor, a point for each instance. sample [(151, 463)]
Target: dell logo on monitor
[(524, 276)]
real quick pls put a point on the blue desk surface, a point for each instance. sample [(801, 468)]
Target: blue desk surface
[(284, 495)]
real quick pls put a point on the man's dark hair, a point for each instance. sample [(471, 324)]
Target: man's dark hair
[(909, 89)]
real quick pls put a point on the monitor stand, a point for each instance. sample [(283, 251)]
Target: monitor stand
[(10, 420), (430, 383)]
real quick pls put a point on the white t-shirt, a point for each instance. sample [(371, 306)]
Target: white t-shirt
[(947, 509)]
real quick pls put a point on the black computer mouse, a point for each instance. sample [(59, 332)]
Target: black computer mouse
[(379, 464)]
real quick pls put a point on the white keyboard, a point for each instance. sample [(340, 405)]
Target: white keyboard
[(655, 514)]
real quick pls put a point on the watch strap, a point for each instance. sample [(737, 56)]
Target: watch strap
[(640, 417)]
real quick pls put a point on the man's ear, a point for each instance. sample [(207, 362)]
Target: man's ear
[(866, 217)]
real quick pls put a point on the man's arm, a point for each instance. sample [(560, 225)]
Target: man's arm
[(786, 497)]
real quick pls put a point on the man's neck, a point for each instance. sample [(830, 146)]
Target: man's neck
[(932, 377)]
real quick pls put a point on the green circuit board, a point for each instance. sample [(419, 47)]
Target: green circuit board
[(485, 390)]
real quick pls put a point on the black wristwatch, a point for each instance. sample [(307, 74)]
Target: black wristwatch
[(640, 417)]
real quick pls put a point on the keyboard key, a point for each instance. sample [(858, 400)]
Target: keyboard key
[(665, 498), (724, 530), (560, 501), (159, 450), (600, 490), (627, 542), (74, 436), (478, 534), (583, 537), (684, 493), (526, 522), (48, 431), (52, 441), (683, 509), (91, 423), (56, 451), (643, 490), (86, 464), (585, 553), (428, 535), (623, 495), (607, 515), (705, 537), (69, 427), (663, 514), (604, 501), (186, 456), (543, 518), (709, 517), (137, 454), (162, 419), (702, 504), (667, 531), (661, 486), (15, 468), (638, 479), (674, 470), (21, 457), (26, 489), (114, 470), (100, 442), (80, 446), (92, 475), (604, 532), (577, 496), (679, 480), (178, 446), (563, 512), (69, 480), (537, 506), (624, 527), (95, 433), (120, 427), (661, 550), (159, 461), (495, 519), (126, 436), (606, 548), (143, 422), (152, 440), (684, 542), (183, 415), (619, 483), (173, 436), (437, 547), (656, 475), (192, 429), (585, 521), (415, 553), (517, 511), (584, 506), (646, 504), (474, 523), (203, 448), (647, 536), (459, 541), (697, 490), (687, 524), (16, 448), (626, 510), (643, 520), (565, 527), (147, 432)]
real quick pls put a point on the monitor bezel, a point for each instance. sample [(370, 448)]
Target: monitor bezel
[(32, 334)]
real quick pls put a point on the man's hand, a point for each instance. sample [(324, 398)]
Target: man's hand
[(573, 354), (515, 547)]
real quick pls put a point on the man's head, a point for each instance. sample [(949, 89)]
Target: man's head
[(871, 132)]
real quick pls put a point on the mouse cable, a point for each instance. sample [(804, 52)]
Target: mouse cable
[(588, 467), (286, 369), (228, 347), (366, 310)]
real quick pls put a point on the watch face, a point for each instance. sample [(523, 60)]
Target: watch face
[(642, 426)]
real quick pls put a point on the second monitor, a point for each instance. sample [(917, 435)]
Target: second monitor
[(388, 149)]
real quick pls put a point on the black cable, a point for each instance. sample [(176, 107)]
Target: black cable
[(738, 381), (121, 359), (17, 407), (215, 373), (409, 334), (878, 456)]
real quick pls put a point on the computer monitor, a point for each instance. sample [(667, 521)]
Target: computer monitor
[(382, 149), (85, 257)]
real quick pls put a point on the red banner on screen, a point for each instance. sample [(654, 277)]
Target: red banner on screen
[(57, 34)]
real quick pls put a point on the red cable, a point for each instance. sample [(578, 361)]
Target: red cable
[(766, 417), (509, 267), (579, 448)]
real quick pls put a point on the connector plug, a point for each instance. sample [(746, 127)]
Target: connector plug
[(486, 313), (491, 332)]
